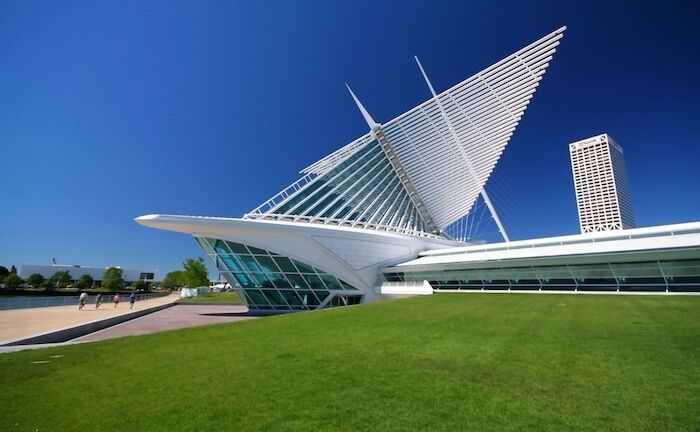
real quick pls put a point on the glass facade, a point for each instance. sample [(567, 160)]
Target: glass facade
[(363, 189), (646, 276), (268, 281)]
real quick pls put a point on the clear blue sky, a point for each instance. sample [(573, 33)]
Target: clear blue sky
[(114, 109)]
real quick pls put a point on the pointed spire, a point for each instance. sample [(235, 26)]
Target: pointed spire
[(425, 76), (373, 125)]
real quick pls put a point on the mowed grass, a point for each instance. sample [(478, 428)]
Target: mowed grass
[(443, 362), (213, 298)]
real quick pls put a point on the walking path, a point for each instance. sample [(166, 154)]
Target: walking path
[(172, 318), (23, 323)]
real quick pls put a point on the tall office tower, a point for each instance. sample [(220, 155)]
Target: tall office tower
[(602, 189)]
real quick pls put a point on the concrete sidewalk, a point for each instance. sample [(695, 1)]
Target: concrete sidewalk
[(173, 318), (23, 323)]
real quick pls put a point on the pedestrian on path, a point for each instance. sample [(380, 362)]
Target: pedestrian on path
[(98, 301), (82, 300), (132, 299), (116, 299)]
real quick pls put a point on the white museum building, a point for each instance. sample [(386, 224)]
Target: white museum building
[(381, 216)]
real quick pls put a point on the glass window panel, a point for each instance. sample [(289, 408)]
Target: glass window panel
[(285, 264), (515, 282), (220, 247), (237, 248), (231, 263), (304, 268), (490, 275), (684, 288), (559, 272), (523, 273), (267, 264), (322, 295), (243, 280), (279, 280), (595, 271), (392, 277), (257, 297), (334, 176), (331, 282), (347, 286), (249, 300), (260, 280), (681, 268), (274, 298), (291, 297), (297, 281), (232, 280), (256, 251), (314, 282), (683, 280), (642, 280), (308, 298), (250, 263)]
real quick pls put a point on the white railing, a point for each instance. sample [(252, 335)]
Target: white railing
[(280, 197), (344, 222)]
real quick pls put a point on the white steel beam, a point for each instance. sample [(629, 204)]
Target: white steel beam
[(470, 167)]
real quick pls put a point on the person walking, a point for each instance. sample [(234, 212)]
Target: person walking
[(132, 299), (82, 300), (116, 300), (98, 301)]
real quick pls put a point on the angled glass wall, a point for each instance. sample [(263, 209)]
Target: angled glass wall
[(647, 276), (268, 281), (362, 190)]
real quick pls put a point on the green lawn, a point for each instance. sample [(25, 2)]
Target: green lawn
[(213, 298), (444, 362)]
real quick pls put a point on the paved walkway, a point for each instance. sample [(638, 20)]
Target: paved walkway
[(23, 323), (172, 318)]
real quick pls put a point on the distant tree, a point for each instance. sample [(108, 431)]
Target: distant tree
[(47, 285), (171, 280), (84, 282), (35, 279), (195, 273), (112, 279), (13, 269), (4, 272), (12, 281), (60, 279), (140, 285)]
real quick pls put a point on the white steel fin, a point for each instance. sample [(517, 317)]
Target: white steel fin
[(492, 210)]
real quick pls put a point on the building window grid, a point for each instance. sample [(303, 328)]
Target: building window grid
[(643, 276), (219, 251), (595, 187)]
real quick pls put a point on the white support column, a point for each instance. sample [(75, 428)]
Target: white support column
[(487, 200)]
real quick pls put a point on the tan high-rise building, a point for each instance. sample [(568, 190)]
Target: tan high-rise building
[(602, 189)]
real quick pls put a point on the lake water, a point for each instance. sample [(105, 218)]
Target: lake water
[(21, 302)]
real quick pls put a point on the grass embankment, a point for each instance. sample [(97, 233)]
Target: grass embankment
[(445, 362), (212, 298)]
